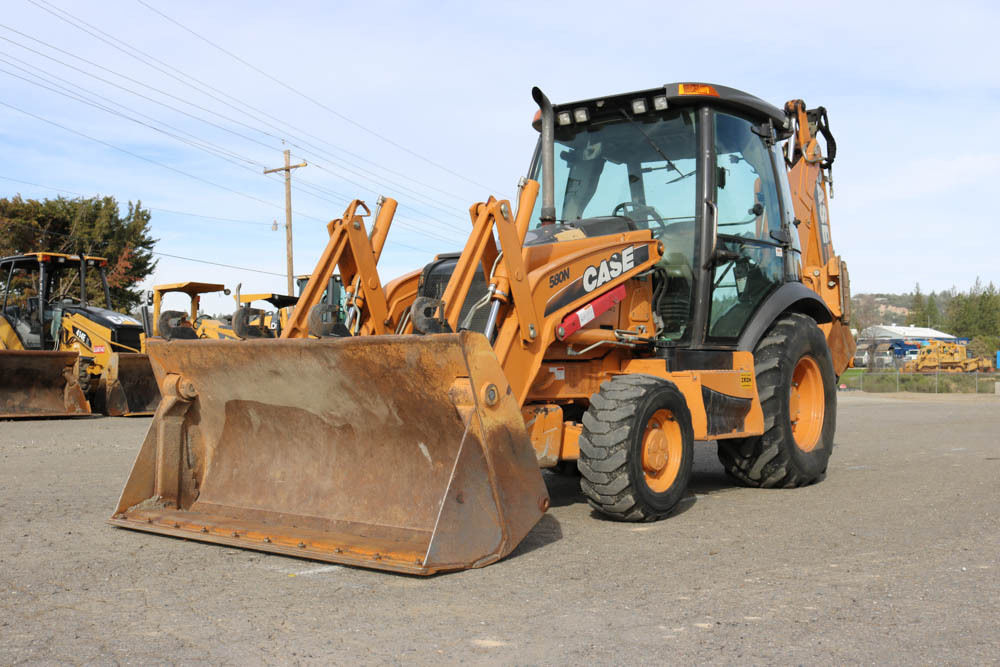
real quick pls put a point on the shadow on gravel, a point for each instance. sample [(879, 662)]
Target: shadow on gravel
[(707, 478), (564, 488), (545, 532)]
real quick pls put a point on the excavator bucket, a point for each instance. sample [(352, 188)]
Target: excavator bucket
[(402, 453), (130, 389), (40, 384)]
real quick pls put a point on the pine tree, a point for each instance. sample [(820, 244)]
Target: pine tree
[(932, 312), (93, 226), (918, 312)]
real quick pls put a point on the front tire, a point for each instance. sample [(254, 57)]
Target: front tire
[(798, 395), (636, 448)]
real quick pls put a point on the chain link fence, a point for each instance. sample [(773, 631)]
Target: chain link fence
[(929, 383)]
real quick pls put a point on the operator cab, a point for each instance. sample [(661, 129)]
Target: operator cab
[(688, 162), (37, 289)]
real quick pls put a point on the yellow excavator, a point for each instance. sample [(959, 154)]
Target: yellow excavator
[(653, 296), (59, 353)]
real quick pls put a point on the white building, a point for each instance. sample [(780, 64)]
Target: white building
[(881, 332)]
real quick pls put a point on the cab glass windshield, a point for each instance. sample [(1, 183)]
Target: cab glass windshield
[(640, 168)]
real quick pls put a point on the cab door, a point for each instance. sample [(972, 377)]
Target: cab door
[(749, 256)]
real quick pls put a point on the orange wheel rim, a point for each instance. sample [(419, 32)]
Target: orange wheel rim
[(807, 404), (662, 449)]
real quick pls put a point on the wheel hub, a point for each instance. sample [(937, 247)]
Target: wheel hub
[(654, 451), (662, 450), (806, 404)]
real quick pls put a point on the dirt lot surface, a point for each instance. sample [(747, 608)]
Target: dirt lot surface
[(894, 558)]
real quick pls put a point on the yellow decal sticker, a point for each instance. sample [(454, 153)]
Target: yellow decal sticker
[(746, 380)]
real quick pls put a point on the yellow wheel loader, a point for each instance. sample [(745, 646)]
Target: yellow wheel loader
[(170, 324), (652, 297), (59, 353)]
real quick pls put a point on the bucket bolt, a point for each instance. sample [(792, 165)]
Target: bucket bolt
[(491, 395), (186, 390)]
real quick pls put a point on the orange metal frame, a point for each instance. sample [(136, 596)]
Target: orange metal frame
[(547, 374)]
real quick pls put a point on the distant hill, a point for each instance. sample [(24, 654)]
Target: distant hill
[(889, 309)]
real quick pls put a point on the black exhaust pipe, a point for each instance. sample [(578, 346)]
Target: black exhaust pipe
[(548, 213)]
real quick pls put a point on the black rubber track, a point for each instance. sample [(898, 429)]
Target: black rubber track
[(773, 460), (611, 447)]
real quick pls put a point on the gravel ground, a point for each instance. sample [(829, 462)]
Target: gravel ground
[(894, 558)]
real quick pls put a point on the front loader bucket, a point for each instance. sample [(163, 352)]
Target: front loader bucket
[(403, 453), (40, 384), (130, 389)]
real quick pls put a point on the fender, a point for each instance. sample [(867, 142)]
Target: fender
[(790, 297)]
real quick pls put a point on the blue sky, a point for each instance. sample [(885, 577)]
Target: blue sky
[(443, 92)]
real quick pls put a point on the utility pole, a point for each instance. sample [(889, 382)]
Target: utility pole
[(288, 214)]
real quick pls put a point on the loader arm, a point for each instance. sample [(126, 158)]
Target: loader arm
[(533, 308), (356, 254)]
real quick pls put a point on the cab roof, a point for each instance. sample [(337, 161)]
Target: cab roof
[(190, 288), (55, 257), (681, 94), (276, 300)]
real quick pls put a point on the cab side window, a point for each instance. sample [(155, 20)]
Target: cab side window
[(748, 211)]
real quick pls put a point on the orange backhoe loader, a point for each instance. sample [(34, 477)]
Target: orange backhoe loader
[(652, 297)]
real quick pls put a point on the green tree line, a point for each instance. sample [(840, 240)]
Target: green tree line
[(92, 226)]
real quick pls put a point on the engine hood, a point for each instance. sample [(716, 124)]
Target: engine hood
[(103, 316)]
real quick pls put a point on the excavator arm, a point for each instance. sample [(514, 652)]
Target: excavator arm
[(810, 178)]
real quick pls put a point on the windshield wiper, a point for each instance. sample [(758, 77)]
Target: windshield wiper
[(652, 143)]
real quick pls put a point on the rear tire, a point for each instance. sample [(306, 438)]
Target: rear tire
[(797, 390), (636, 448)]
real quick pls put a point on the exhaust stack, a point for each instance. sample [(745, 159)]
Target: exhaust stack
[(548, 213)]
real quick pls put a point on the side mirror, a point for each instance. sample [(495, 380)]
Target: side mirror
[(722, 256), (781, 236)]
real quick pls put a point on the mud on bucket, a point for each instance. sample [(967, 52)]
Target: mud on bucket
[(404, 453)]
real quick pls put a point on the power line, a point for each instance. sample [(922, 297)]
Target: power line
[(151, 208), (164, 104), (209, 217), (313, 100), (228, 266), (146, 159), (206, 146), (192, 104), (241, 106), (137, 94), (47, 232), (218, 152)]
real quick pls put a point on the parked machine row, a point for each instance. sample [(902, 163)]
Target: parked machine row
[(62, 355)]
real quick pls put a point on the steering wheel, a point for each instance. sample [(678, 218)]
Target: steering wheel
[(644, 210)]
